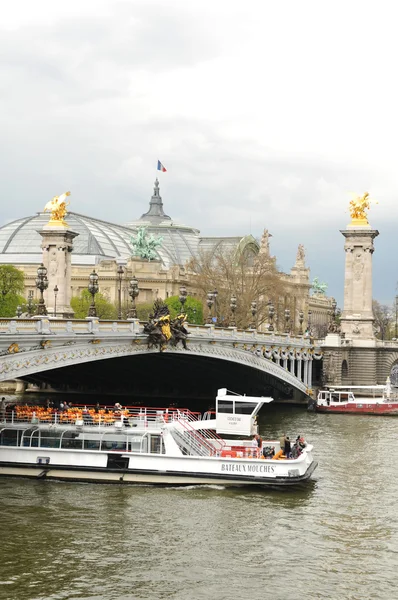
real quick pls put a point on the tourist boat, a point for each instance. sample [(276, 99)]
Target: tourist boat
[(147, 446), (369, 400)]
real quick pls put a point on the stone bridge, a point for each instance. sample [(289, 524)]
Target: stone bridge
[(35, 345)]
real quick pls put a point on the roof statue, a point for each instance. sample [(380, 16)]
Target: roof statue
[(57, 206), (264, 248), (319, 287), (145, 246), (358, 207), (300, 257)]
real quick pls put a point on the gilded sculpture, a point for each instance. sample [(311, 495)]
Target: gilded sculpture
[(358, 207), (57, 206)]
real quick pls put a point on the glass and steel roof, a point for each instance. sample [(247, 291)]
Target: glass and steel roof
[(20, 241)]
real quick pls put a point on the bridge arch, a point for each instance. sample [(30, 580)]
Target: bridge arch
[(27, 363)]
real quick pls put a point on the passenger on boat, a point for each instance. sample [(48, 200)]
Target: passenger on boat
[(255, 445), (287, 447), (268, 451), (259, 442), (3, 407), (118, 406)]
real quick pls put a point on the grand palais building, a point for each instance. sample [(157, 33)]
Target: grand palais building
[(105, 246)]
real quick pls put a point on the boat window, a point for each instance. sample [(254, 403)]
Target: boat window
[(156, 444), (9, 437), (245, 408), (335, 397), (91, 444), (113, 442), (225, 407), (71, 441), (344, 397), (135, 443), (49, 439)]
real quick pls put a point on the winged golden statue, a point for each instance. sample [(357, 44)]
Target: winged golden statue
[(358, 207), (57, 206)]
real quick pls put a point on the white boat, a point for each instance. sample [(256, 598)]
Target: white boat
[(148, 446)]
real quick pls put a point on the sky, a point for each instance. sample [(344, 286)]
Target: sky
[(266, 115)]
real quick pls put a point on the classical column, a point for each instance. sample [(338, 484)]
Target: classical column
[(309, 377), (57, 247), (357, 318)]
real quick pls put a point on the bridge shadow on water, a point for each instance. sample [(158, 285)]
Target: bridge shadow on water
[(160, 379)]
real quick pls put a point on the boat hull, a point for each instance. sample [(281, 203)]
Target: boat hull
[(360, 408), (135, 476)]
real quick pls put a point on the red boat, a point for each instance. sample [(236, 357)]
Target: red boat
[(370, 400)]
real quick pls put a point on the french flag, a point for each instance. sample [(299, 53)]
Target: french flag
[(161, 167)]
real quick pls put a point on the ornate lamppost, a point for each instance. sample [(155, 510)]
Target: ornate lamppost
[(93, 289), (19, 311), (253, 310), (215, 294), (271, 315), (120, 273), (301, 319), (233, 305), (41, 284), (133, 293), (209, 302), (309, 322), (183, 297), (287, 320), (30, 303), (55, 299)]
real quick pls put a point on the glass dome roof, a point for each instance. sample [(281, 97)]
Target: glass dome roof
[(20, 241)]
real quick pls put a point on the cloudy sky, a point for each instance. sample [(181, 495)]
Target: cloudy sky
[(265, 114)]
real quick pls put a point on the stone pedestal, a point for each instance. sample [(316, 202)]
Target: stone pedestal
[(357, 318), (57, 246)]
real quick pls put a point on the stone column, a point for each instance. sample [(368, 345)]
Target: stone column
[(357, 318), (57, 247)]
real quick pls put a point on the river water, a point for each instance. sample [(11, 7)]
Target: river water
[(337, 538)]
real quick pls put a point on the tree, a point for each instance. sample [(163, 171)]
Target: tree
[(192, 307), (11, 290), (81, 304), (383, 319), (242, 273)]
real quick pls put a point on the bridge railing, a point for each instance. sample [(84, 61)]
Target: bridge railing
[(56, 326)]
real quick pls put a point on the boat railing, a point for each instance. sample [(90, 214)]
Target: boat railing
[(206, 446), (134, 416)]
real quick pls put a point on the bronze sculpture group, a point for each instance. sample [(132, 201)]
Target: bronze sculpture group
[(162, 330)]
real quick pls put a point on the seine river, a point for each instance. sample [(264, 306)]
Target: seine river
[(337, 538)]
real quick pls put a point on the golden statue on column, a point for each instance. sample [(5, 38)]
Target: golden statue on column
[(57, 206), (358, 207)]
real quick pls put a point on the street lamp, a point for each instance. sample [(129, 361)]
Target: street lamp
[(209, 302), (133, 293), (183, 297), (287, 320), (120, 273), (93, 289), (233, 305), (271, 315), (41, 284), (309, 322), (30, 302), (215, 294), (253, 310), (301, 319), (55, 300), (19, 311)]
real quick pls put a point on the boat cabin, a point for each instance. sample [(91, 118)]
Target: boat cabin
[(236, 415)]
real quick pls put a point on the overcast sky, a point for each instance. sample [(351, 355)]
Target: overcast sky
[(265, 114)]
